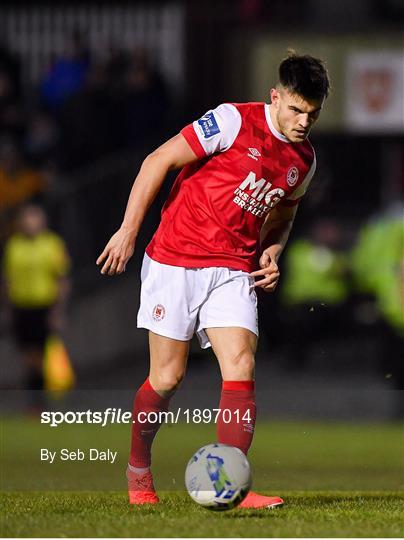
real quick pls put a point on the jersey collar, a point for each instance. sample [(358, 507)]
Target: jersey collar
[(274, 131)]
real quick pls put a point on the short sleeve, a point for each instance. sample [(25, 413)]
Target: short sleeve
[(295, 197), (60, 260), (215, 131)]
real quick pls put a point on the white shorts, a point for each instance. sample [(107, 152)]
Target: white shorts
[(177, 302)]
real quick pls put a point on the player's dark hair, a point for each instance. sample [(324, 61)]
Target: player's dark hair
[(305, 76)]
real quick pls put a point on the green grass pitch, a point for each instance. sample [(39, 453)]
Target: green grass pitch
[(338, 480)]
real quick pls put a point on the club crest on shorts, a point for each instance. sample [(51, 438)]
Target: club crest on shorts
[(159, 312), (292, 176)]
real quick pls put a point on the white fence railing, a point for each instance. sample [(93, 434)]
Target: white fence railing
[(37, 33)]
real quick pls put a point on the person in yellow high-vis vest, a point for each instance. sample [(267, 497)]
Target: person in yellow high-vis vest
[(35, 269), (378, 271)]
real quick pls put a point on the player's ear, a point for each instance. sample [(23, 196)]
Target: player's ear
[(275, 96)]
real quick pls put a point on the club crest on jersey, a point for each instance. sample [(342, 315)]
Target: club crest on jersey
[(292, 176), (208, 125), (159, 312)]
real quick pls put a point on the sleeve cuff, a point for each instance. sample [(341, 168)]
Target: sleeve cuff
[(191, 137)]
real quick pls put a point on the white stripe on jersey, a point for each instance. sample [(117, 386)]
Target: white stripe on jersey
[(228, 120)]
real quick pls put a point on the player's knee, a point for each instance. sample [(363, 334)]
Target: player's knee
[(167, 381), (242, 365)]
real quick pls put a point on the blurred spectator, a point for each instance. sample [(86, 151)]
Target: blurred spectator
[(123, 103), (66, 75), (378, 269), (377, 261), (315, 269), (315, 290), (18, 184), (41, 139), (87, 121), (145, 99), (35, 267)]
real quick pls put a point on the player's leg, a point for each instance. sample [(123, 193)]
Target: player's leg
[(235, 349), (228, 322), (168, 359)]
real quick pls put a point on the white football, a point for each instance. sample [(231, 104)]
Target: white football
[(218, 476)]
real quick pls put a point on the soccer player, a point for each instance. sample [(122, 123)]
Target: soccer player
[(245, 168)]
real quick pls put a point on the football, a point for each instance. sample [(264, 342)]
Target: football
[(218, 476)]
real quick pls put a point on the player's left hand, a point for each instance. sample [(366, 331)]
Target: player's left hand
[(270, 271)]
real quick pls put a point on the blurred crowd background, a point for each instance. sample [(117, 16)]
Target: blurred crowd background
[(87, 90)]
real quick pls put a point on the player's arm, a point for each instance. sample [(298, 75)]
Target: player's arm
[(173, 154), (276, 229), (274, 235)]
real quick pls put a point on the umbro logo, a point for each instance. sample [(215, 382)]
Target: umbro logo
[(254, 153)]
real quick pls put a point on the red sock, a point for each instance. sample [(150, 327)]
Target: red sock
[(236, 424), (143, 432)]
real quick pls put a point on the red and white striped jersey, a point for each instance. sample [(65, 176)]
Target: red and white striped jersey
[(218, 204)]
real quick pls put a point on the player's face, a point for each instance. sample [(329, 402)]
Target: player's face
[(294, 115)]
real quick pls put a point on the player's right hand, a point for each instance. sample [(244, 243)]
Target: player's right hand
[(117, 252)]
